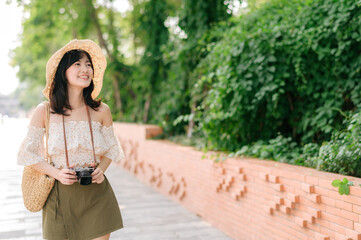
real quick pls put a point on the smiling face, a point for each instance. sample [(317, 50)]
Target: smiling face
[(80, 73)]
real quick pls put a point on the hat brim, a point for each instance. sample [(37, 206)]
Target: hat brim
[(98, 59)]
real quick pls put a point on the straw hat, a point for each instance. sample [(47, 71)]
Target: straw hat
[(97, 57)]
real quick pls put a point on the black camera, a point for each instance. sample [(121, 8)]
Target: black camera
[(83, 175)]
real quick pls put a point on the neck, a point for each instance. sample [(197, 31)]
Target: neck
[(76, 99)]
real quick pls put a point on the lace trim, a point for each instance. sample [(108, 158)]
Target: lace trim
[(32, 148), (78, 142)]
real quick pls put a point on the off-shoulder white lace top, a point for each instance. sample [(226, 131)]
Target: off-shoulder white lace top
[(78, 139)]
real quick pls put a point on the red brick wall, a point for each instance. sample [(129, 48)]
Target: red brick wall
[(245, 198)]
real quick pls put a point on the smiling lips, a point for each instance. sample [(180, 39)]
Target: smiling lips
[(85, 77)]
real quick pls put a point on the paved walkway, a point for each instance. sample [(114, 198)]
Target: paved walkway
[(147, 215)]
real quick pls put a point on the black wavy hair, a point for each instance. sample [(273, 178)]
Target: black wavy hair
[(58, 96)]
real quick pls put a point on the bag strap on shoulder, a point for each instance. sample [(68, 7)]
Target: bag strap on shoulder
[(47, 112)]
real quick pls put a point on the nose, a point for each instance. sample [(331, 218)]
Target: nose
[(84, 68)]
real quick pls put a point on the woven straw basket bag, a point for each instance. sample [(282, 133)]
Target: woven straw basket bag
[(35, 185)]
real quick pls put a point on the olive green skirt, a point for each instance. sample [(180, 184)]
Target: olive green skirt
[(80, 212)]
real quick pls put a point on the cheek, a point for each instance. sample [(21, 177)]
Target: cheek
[(69, 73)]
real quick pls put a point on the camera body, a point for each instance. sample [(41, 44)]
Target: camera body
[(83, 174)]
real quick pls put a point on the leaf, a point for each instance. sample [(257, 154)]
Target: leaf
[(336, 183), (345, 180), (344, 189)]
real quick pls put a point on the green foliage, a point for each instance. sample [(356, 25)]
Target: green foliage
[(281, 149), (288, 67), (342, 154), (197, 19), (274, 83), (343, 186)]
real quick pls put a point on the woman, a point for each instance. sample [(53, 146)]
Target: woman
[(80, 135)]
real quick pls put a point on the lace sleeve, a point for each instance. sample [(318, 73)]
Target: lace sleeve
[(32, 148), (114, 150)]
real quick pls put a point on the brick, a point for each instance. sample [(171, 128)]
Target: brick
[(235, 196), (243, 188), (238, 169), (343, 205), (182, 195), (278, 187), (309, 217), (339, 236), (338, 228), (285, 209), (301, 222), (322, 237), (293, 197), (225, 187), (350, 215), (230, 179), (356, 209), (218, 187), (316, 198), (319, 236), (336, 219), (263, 176), (314, 212), (357, 227), (327, 183), (278, 200), (328, 201), (355, 191), (307, 188), (268, 209), (313, 180), (351, 199), (275, 206), (342, 213), (353, 234), (243, 177), (289, 203), (273, 179)]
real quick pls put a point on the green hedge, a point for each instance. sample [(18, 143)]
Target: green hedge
[(289, 68)]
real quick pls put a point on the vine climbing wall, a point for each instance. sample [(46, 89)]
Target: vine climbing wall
[(245, 198)]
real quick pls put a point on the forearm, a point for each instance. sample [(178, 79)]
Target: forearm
[(46, 168), (104, 163)]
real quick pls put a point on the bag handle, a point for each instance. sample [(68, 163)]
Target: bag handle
[(47, 114), (91, 133)]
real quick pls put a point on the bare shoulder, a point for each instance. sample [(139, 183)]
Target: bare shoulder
[(38, 116), (106, 114)]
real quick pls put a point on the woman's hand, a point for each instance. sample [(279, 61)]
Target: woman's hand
[(67, 176), (97, 175)]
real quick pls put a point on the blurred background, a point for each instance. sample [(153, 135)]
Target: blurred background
[(273, 79)]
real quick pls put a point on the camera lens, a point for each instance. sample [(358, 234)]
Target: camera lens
[(85, 180)]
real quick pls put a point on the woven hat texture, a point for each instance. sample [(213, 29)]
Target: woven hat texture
[(98, 59)]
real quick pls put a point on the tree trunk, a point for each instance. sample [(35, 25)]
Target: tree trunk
[(146, 108)]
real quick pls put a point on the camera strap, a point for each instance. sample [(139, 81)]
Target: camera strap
[(91, 134)]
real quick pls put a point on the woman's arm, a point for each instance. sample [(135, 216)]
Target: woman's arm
[(106, 119)]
